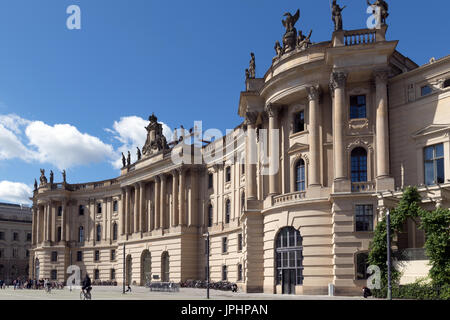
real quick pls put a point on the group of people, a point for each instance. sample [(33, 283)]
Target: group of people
[(32, 284)]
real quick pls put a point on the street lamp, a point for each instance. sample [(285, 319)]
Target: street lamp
[(206, 235), (388, 232)]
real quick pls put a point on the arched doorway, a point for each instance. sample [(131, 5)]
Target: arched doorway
[(165, 267), (146, 267), (289, 259), (128, 269), (36, 269)]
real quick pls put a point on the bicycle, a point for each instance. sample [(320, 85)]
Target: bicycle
[(85, 295)]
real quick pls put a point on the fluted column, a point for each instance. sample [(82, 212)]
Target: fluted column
[(157, 203), (151, 209), (33, 226), (338, 80), (193, 217), (136, 211), (175, 220), (122, 214), (38, 225), (127, 210), (252, 155), (382, 124), (272, 112), (63, 221), (182, 197), (141, 207), (163, 197), (314, 135)]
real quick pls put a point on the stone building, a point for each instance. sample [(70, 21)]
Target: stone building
[(357, 121), (15, 241)]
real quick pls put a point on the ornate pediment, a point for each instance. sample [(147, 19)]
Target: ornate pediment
[(432, 129), (298, 147)]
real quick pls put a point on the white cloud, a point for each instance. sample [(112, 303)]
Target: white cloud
[(11, 146), (15, 192), (131, 132), (64, 146)]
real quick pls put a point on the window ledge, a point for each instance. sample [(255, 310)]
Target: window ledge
[(298, 134)]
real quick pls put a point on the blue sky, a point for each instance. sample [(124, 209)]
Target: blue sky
[(76, 98)]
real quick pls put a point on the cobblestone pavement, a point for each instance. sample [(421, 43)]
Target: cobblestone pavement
[(141, 293)]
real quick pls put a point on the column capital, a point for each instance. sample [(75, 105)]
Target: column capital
[(313, 92), (381, 76), (338, 80), (272, 110), (251, 118)]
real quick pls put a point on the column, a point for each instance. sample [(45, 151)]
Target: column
[(38, 225), (274, 158), (175, 220), (157, 203), (136, 210), (314, 135), (151, 210), (127, 210), (181, 194), (71, 206), (338, 80), (63, 221), (163, 202), (107, 210), (382, 124), (193, 219), (33, 226), (142, 206), (122, 214), (87, 212), (252, 155), (53, 209), (48, 223), (92, 225)]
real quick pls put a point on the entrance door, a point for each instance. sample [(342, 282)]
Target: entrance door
[(288, 281)]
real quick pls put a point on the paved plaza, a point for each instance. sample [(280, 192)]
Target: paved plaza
[(141, 293)]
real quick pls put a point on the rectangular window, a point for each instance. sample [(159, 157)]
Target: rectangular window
[(358, 107), (239, 275), (59, 234), (224, 273), (115, 206), (96, 274), (97, 255), (2, 236), (15, 253), (425, 90), (240, 242), (16, 236), (27, 253), (2, 253), (113, 274), (228, 174), (113, 255), (99, 207), (54, 275), (28, 236), (79, 256), (434, 164), (299, 121), (81, 210), (59, 211), (224, 245), (364, 218), (54, 256), (361, 266), (210, 181)]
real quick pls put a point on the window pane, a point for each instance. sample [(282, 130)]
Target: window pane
[(439, 150), (429, 173), (429, 153), (440, 171)]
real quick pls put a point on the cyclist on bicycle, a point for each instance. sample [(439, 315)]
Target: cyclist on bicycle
[(86, 284)]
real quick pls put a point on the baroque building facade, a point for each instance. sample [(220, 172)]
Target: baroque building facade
[(15, 242), (346, 124)]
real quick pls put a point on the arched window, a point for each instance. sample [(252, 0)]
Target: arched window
[(99, 232), (115, 231), (210, 216), (300, 177), (359, 165), (81, 234), (289, 259), (227, 211)]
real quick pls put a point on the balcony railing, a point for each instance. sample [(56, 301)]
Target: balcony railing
[(290, 197), (363, 36), (366, 186)]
